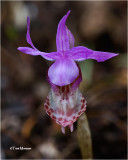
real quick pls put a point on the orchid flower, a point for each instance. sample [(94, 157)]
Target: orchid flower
[(65, 103)]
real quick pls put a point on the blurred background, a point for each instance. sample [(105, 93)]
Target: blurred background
[(99, 25)]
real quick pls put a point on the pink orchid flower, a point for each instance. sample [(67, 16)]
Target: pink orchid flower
[(65, 103)]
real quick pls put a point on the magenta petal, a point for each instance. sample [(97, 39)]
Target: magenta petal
[(28, 50), (101, 56), (49, 56), (82, 53), (62, 40), (63, 72), (28, 34), (71, 38), (78, 53), (33, 51)]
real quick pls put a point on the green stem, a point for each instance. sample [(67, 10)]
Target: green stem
[(84, 137)]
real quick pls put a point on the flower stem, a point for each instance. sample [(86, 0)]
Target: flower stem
[(84, 137)]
